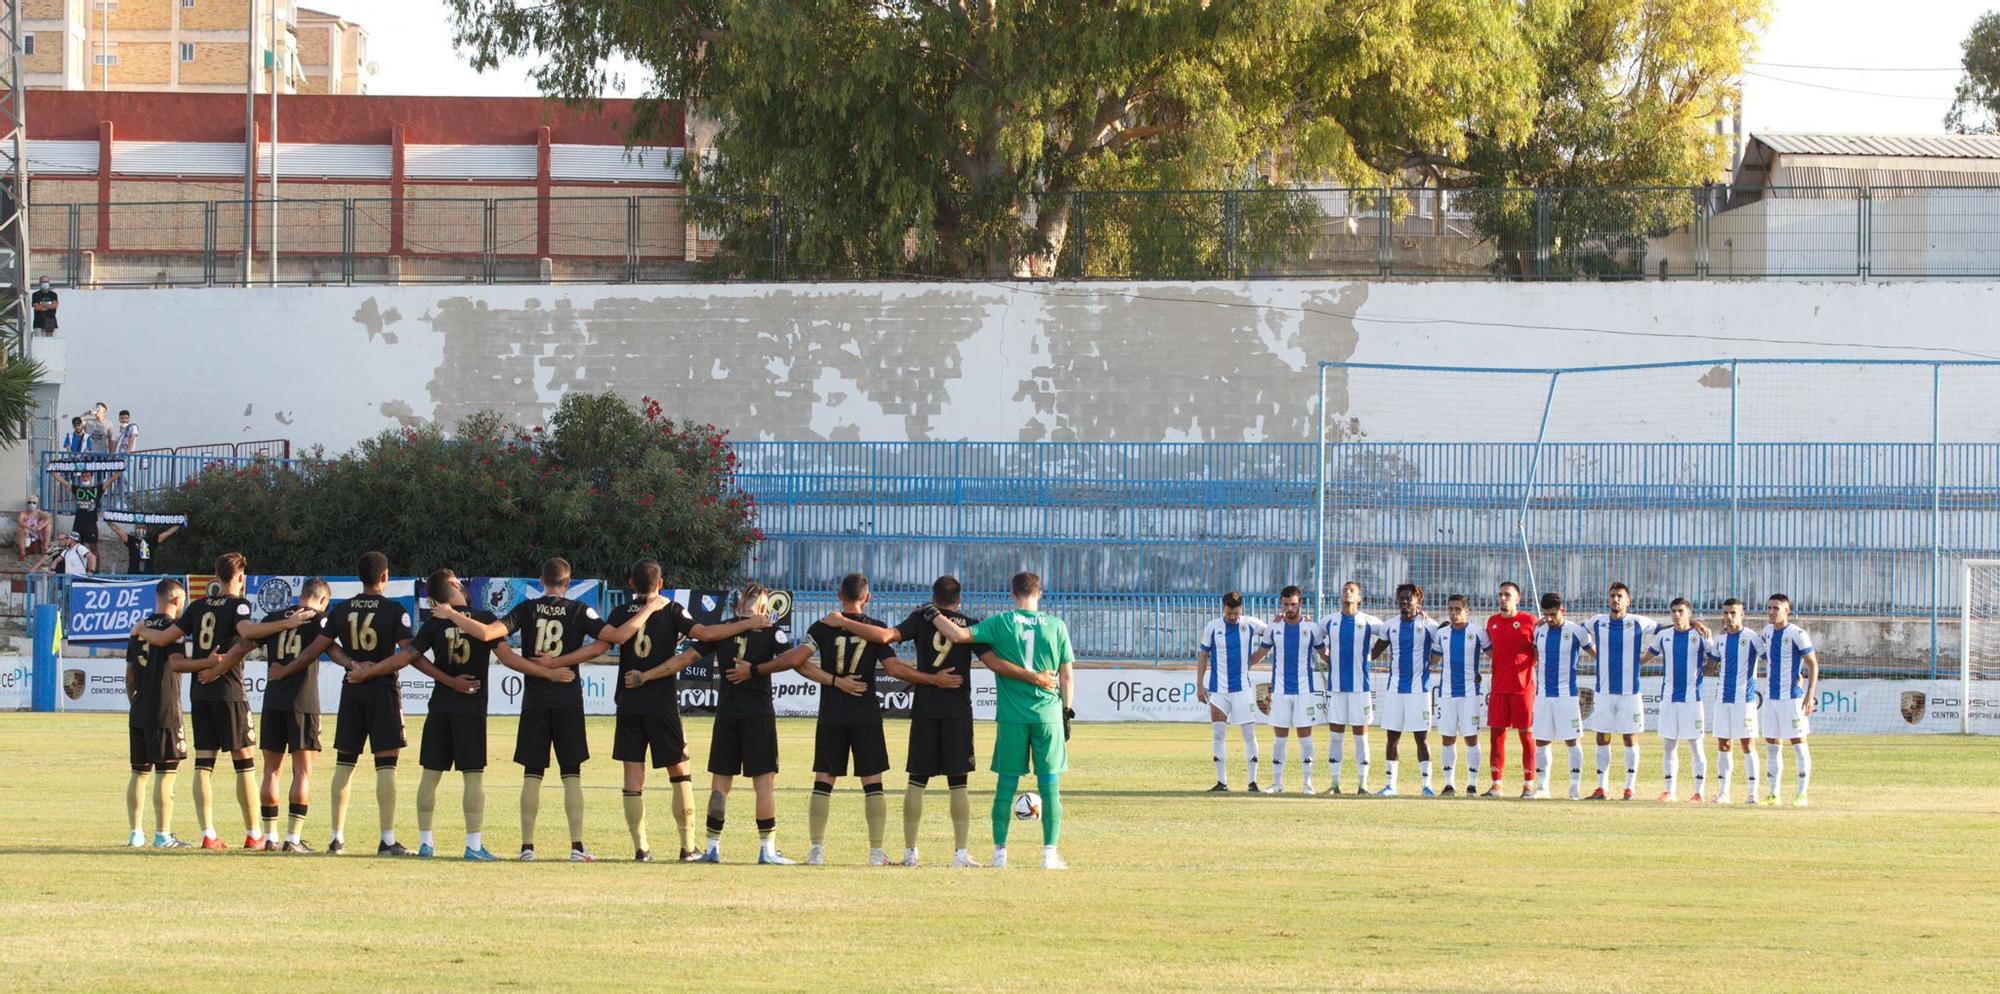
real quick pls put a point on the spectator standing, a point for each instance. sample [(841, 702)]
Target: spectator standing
[(70, 558), (139, 547), (45, 302), (86, 493), (127, 438), (77, 440), (97, 424), (33, 528)]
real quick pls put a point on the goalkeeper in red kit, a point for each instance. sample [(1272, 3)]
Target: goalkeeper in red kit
[(1511, 706)]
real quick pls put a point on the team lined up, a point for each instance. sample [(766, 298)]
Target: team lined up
[(1533, 664), (370, 637)]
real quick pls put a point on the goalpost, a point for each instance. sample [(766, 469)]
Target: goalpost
[(1978, 629)]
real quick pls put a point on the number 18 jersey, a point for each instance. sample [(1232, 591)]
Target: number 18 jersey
[(552, 626)]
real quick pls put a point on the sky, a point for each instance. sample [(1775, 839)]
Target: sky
[(1876, 44)]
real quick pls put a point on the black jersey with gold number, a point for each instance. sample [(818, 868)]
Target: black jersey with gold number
[(752, 697), (553, 626), (300, 691), (457, 654), (937, 654), (842, 654), (155, 689), (369, 627), (210, 626), (654, 643)]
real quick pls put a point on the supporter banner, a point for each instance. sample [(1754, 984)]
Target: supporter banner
[(1846, 706), (102, 612)]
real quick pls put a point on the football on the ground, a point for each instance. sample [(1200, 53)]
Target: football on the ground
[(1027, 807)]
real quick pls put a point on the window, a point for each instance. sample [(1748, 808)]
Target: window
[(187, 51), (27, 44), (105, 60), (187, 4)]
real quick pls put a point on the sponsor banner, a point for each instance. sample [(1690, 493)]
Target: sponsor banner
[(16, 694)]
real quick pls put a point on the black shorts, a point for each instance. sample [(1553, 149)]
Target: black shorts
[(542, 727), (662, 732), (289, 731), (832, 744), (747, 745), (940, 747), (222, 726), (158, 745), (369, 717), (453, 741)]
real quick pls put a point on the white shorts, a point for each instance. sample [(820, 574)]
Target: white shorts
[(1238, 707), (1736, 721), (1618, 714), (1685, 720), (1407, 713), (1784, 718), (1557, 719), (1294, 710), (1461, 717), (1355, 709)]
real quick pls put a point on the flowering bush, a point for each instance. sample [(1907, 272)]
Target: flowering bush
[(602, 484)]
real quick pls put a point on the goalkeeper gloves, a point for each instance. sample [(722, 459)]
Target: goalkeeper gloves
[(1069, 715)]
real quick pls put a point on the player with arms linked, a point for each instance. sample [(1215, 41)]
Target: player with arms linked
[(744, 738), (153, 679), (850, 718)]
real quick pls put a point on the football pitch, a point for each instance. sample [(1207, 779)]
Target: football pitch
[(1891, 881)]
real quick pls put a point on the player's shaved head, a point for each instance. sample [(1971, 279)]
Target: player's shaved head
[(373, 568), (167, 590), (229, 566), (316, 589), (644, 576), (853, 588), (555, 572), (945, 592)]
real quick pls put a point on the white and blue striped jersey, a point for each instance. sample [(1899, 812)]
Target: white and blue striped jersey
[(1410, 648), (1229, 648), (1787, 649), (1681, 654), (1349, 639), (1294, 656), (1556, 653), (1459, 650), (1738, 653), (1620, 643)]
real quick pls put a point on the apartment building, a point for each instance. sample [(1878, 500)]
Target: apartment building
[(189, 46)]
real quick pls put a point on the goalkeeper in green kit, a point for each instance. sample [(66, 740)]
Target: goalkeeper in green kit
[(1031, 656)]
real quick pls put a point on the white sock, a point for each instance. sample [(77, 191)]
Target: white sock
[(1048, 852), (292, 837), (1392, 774), (1361, 756), (389, 838), (1700, 754), (1278, 750), (1336, 753), (1424, 767), (1631, 766), (1750, 770), (1220, 733), (1576, 768), (1542, 767), (768, 846), (1250, 748), (1306, 749), (424, 839), (1725, 768), (1603, 767), (1451, 766), (1774, 767), (472, 841), (1472, 765), (1672, 763), (1802, 758), (339, 836)]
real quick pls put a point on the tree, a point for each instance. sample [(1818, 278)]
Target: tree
[(1630, 92), (1976, 106), (604, 484), (950, 136), (18, 380)]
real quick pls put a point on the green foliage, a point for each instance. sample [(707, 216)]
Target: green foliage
[(1975, 108), (18, 380), (1630, 92), (604, 484), (947, 137)]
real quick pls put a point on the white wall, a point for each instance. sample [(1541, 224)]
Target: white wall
[(985, 361)]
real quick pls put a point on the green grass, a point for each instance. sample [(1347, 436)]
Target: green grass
[(1890, 882)]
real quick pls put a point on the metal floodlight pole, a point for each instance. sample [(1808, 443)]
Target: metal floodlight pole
[(1528, 491), (1319, 522), (1937, 515), (273, 274), (249, 139), (14, 227)]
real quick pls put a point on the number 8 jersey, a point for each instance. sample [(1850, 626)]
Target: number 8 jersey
[(552, 626)]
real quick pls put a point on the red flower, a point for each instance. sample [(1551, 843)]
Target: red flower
[(538, 429)]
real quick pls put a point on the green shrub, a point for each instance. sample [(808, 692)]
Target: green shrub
[(603, 484)]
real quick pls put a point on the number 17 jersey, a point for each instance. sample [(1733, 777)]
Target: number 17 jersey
[(842, 654)]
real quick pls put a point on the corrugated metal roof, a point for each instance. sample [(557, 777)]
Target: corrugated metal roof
[(46, 156), (328, 160), (1908, 146), (470, 161), (177, 158), (643, 164)]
